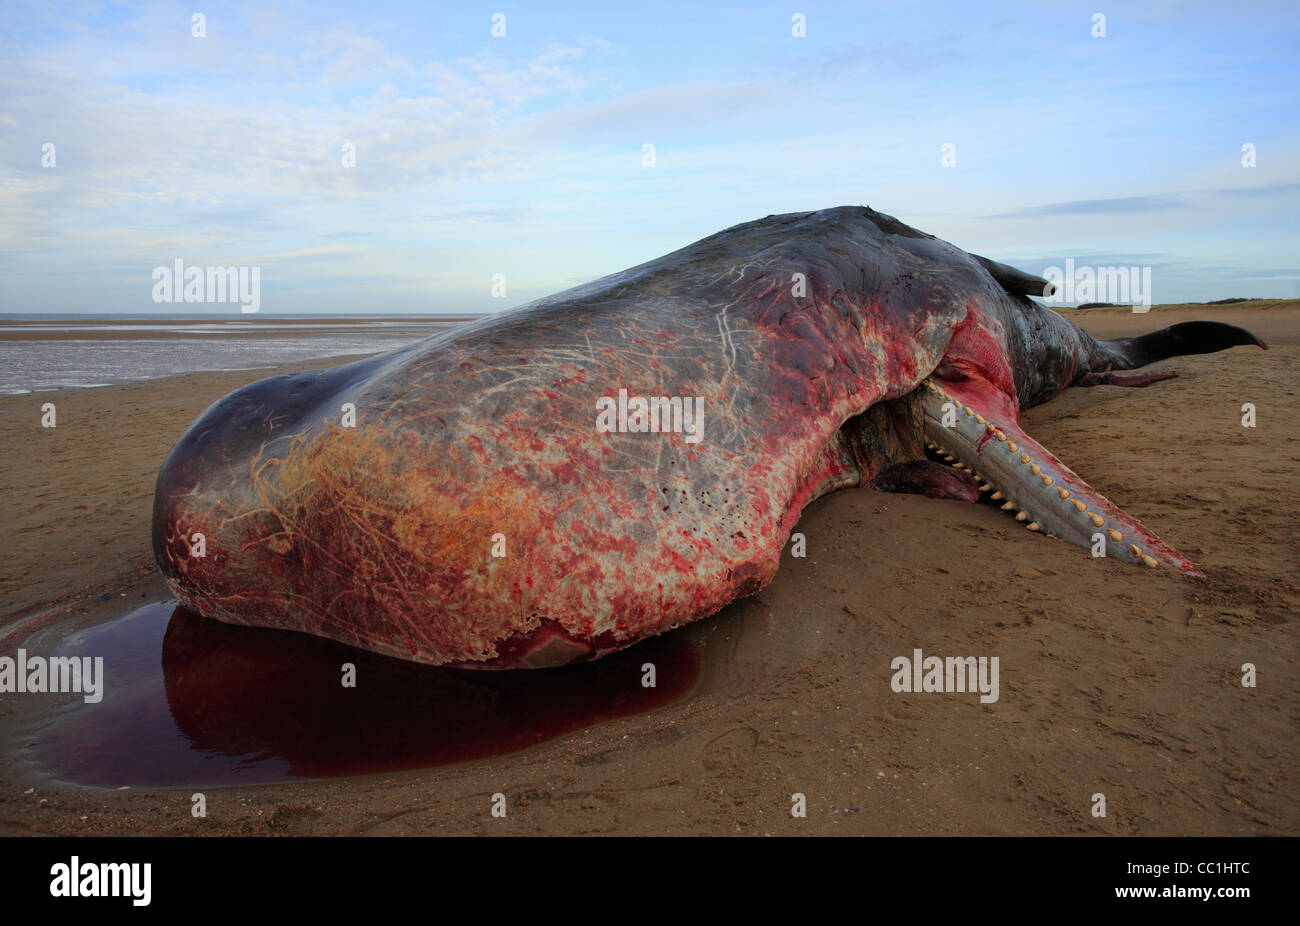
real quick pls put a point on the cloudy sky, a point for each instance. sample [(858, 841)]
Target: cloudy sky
[(524, 154)]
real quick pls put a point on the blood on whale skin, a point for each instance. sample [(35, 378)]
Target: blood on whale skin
[(383, 535)]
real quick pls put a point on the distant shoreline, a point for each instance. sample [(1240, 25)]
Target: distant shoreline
[(54, 355), (256, 317), (1222, 305), (108, 327)]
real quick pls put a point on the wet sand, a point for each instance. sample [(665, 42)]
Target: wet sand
[(1114, 679), (197, 326)]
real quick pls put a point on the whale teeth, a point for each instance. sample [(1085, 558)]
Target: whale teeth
[(980, 419), (1047, 480), (1080, 506), (1000, 435), (1150, 561), (1033, 526), (929, 446), (1097, 520), (1008, 506), (996, 496), (1022, 516), (1013, 447), (1063, 492), (986, 487), (949, 458), (1035, 469), (1114, 534)]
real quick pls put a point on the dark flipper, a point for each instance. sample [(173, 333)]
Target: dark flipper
[(1179, 340), (1016, 282)]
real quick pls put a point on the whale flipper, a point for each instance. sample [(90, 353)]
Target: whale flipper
[(1016, 282)]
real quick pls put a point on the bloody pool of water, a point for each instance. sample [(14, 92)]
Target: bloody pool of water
[(190, 701)]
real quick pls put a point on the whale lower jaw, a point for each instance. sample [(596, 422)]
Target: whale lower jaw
[(970, 425)]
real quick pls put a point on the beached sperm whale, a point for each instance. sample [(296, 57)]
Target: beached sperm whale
[(561, 480)]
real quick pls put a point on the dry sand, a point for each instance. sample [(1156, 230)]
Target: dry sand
[(1114, 679)]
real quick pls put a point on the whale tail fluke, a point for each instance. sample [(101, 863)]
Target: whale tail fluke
[(1179, 340)]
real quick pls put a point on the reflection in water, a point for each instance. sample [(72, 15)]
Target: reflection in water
[(236, 705)]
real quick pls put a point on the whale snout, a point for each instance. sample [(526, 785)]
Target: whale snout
[(275, 510), (212, 496)]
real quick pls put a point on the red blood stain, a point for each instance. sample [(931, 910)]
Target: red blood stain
[(235, 705)]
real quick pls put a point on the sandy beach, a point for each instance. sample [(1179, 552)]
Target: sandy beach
[(1114, 679)]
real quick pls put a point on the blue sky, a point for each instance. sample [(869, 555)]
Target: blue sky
[(522, 155)]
